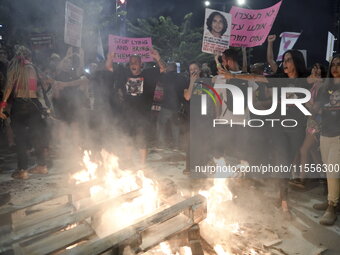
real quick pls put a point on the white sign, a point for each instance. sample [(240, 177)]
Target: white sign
[(73, 24), (288, 39), (330, 46), (217, 27)]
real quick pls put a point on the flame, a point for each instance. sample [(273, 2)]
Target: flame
[(216, 224), (115, 183), (220, 251), (165, 248), (87, 174), (216, 195), (187, 250)]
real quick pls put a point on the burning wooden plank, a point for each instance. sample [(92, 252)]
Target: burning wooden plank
[(63, 221), (194, 207), (59, 240)]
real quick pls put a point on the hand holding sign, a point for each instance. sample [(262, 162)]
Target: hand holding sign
[(155, 54), (218, 64), (228, 75)]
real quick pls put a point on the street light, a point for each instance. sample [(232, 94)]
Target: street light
[(207, 3), (241, 2)]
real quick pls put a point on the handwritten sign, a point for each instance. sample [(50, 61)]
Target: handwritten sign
[(217, 29), (251, 27), (124, 47), (73, 24)]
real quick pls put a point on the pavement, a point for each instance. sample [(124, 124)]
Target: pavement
[(253, 202)]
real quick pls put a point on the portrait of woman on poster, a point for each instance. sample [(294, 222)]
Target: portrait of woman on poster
[(217, 24)]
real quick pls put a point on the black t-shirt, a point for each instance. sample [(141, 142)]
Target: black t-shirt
[(103, 89), (173, 88), (330, 116), (292, 112), (70, 100), (138, 90)]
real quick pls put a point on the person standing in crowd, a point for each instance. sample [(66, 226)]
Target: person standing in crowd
[(198, 150), (235, 139), (328, 101), (71, 102), (217, 24), (173, 85), (285, 141), (26, 112), (3, 78), (311, 142), (137, 87)]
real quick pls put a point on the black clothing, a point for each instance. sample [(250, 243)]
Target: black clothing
[(173, 88), (330, 116), (67, 106), (138, 93), (138, 90), (27, 122)]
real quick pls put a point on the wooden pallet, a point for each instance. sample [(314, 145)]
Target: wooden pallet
[(49, 226)]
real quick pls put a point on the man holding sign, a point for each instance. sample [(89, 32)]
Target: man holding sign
[(136, 88)]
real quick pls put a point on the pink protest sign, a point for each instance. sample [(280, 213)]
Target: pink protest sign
[(251, 27), (124, 47)]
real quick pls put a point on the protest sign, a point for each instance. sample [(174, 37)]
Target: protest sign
[(330, 46), (288, 39), (41, 41), (73, 24), (124, 47), (251, 27), (217, 27)]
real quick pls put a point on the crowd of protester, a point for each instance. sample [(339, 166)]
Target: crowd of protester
[(138, 107)]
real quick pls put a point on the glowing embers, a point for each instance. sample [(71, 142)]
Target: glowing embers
[(115, 182)]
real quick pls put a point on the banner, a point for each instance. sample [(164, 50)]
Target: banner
[(251, 27), (217, 27), (330, 46), (288, 39), (73, 24), (124, 47)]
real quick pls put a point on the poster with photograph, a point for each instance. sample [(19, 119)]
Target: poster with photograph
[(217, 27)]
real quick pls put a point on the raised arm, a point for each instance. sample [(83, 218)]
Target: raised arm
[(188, 92), (80, 82), (162, 65), (109, 61), (244, 60), (249, 77), (270, 54)]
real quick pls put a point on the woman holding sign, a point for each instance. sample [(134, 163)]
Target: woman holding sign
[(217, 24)]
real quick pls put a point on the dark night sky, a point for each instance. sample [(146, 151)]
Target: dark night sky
[(313, 17)]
